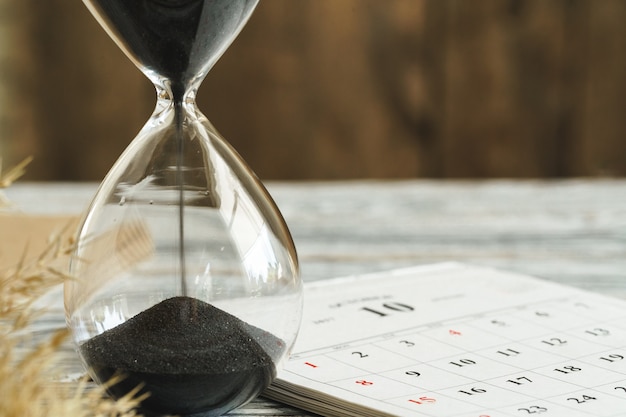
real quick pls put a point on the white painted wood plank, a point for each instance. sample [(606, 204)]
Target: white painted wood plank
[(571, 231)]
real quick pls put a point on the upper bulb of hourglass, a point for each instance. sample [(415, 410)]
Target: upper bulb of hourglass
[(185, 278), (173, 41)]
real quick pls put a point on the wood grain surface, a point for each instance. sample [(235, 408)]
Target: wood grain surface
[(569, 231), (572, 231), (325, 89)]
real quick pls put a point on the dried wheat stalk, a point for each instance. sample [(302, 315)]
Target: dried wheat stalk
[(27, 379)]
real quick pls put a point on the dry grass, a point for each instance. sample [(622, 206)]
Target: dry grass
[(27, 378), (7, 178)]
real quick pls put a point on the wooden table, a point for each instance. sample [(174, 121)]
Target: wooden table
[(571, 231)]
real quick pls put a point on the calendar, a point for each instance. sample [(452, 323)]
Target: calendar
[(456, 340)]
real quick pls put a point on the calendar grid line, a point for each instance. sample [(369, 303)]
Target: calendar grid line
[(434, 324), (477, 353), (558, 355), (532, 397), (571, 407)]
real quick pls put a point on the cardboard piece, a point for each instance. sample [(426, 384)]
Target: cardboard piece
[(24, 235)]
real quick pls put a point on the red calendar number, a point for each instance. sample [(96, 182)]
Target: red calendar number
[(423, 400), (310, 364), (364, 382), (454, 332)]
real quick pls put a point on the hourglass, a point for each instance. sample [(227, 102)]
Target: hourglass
[(185, 278)]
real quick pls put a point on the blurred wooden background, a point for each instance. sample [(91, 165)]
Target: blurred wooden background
[(330, 89)]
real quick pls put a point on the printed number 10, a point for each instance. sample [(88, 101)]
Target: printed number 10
[(387, 308)]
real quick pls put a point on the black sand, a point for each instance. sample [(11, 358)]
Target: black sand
[(174, 38), (193, 358)]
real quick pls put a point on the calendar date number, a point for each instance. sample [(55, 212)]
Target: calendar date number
[(533, 409), (389, 308)]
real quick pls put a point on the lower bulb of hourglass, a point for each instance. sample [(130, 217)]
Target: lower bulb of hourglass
[(185, 278)]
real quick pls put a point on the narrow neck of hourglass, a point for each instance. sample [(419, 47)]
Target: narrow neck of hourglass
[(177, 94)]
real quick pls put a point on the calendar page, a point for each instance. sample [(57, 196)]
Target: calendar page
[(457, 341)]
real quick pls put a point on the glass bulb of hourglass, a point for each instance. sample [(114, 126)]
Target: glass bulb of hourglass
[(185, 277)]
